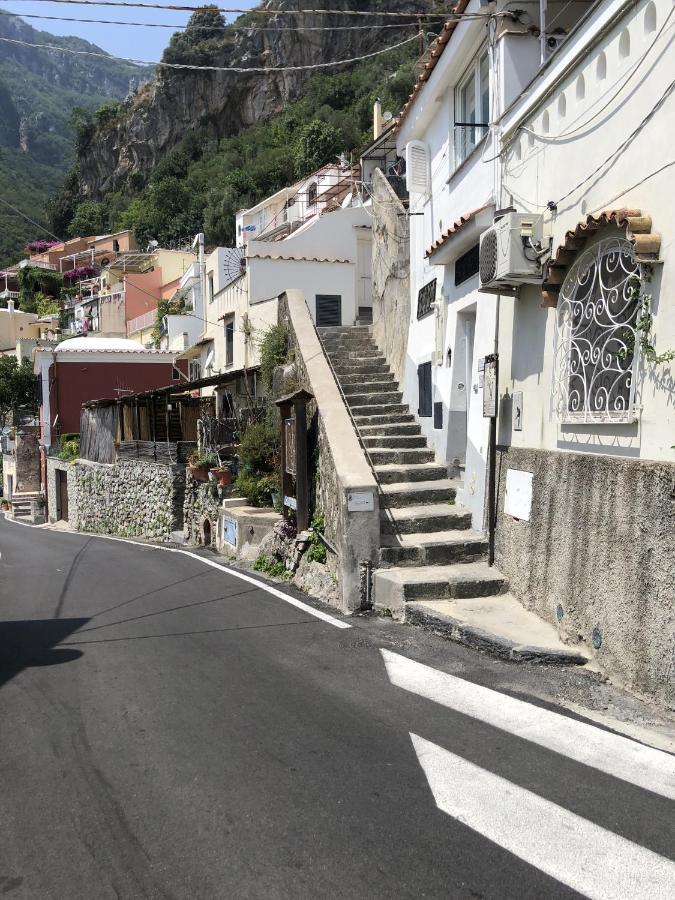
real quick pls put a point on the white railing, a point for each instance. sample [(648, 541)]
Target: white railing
[(140, 323), (9, 295)]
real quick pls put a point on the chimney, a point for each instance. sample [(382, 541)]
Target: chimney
[(377, 118)]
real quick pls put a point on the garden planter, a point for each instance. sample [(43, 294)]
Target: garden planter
[(199, 473), (223, 476)]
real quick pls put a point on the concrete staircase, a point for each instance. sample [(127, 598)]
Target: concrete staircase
[(427, 547), (21, 505)]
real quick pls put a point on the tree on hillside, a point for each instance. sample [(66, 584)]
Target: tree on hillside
[(18, 387), (316, 144), (87, 220), (201, 40)]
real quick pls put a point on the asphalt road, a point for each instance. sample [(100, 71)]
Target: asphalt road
[(169, 730)]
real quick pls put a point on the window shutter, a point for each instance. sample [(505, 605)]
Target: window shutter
[(424, 389), (417, 167)]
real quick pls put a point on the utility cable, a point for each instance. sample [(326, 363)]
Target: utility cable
[(238, 69), (263, 12)]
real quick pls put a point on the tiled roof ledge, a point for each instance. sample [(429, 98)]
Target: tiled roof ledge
[(638, 231)]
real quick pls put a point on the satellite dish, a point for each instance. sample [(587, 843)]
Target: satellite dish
[(152, 245), (387, 116), (105, 262)]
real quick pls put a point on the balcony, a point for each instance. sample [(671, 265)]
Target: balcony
[(140, 323), (9, 295)]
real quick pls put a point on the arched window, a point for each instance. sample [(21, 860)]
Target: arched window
[(595, 350)]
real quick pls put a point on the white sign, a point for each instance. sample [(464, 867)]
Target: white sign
[(360, 501), (518, 499), (291, 502)]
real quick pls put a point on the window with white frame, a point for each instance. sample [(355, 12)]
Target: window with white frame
[(229, 340), (210, 287), (596, 351), (472, 107)]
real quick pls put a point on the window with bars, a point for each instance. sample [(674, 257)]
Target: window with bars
[(466, 265), (425, 299), (472, 107)]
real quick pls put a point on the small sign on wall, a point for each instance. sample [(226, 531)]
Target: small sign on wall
[(360, 501), (490, 388), (229, 531), (517, 410), (290, 502), (518, 498)]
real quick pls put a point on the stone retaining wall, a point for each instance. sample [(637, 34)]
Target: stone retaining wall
[(598, 554), (200, 506)]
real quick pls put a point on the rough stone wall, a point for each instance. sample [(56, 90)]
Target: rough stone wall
[(27, 459), (600, 544), (391, 274), (199, 505), (129, 499)]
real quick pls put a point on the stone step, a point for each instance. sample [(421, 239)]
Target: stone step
[(396, 474), (385, 441), (392, 588), (424, 518), (357, 355), (349, 342), (500, 626), (416, 493), (362, 378), (438, 548), (394, 429), (372, 387), (381, 411), (400, 457), (352, 367), (379, 398), (343, 329), (395, 420)]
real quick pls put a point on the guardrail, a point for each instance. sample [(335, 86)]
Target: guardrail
[(147, 320)]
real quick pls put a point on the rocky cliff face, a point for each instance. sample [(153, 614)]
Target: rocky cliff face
[(160, 115)]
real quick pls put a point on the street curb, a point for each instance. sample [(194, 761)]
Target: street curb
[(455, 630)]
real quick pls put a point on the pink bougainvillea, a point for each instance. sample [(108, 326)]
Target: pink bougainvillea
[(41, 246), (80, 273)]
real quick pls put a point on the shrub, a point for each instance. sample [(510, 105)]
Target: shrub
[(317, 548), (204, 460), (69, 447), (270, 566), (257, 489), (273, 352), (259, 448)]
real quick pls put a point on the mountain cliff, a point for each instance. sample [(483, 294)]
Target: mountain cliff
[(221, 104), (38, 90)]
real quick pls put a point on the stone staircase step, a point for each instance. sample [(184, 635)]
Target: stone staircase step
[(351, 367), (420, 519), (400, 457), (384, 411), (396, 474), (356, 355), (393, 429), (376, 398), (378, 388), (499, 625), (362, 378), (409, 441), (396, 419), (438, 548), (393, 588), (415, 493), (343, 329)]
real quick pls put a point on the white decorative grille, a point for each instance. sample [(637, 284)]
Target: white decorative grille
[(596, 351)]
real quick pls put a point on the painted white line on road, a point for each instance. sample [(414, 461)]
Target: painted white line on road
[(587, 858), (618, 756), (293, 601)]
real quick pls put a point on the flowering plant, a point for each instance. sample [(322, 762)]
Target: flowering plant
[(41, 246), (80, 273)]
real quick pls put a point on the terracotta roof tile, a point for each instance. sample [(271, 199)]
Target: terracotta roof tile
[(454, 228), (297, 258)]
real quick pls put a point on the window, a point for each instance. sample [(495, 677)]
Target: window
[(472, 107), (466, 265), (595, 363), (425, 299), (328, 310), (312, 194), (175, 374), (116, 246), (210, 284), (424, 390), (229, 341), (195, 370)]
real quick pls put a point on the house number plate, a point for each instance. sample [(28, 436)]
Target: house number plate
[(360, 501)]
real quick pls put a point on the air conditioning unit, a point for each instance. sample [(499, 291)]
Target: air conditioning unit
[(553, 41), (510, 253)]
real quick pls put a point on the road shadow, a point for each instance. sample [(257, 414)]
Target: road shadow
[(28, 643)]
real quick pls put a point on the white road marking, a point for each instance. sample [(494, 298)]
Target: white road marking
[(618, 756), (589, 859), (305, 607)]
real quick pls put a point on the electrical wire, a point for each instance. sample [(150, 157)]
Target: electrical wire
[(266, 12), (193, 68), (219, 28)]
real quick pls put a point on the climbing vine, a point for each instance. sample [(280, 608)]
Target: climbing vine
[(643, 328)]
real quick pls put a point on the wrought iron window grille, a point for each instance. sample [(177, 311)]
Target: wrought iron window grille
[(596, 352), (425, 299)]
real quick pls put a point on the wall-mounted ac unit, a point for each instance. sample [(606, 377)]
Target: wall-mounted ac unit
[(510, 253), (554, 41)]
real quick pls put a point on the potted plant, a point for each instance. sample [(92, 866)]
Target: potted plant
[(223, 475), (201, 464)]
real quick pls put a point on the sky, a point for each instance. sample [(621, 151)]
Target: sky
[(128, 41)]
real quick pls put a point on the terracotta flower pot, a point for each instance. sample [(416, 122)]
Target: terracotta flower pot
[(199, 473), (223, 476)]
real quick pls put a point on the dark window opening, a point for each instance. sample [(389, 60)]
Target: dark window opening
[(425, 299), (328, 310), (229, 341), (312, 194), (175, 374), (438, 415), (424, 390), (466, 265)]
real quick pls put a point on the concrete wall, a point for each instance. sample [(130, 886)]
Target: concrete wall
[(391, 274), (53, 466), (599, 543), (343, 467), (27, 459), (269, 277)]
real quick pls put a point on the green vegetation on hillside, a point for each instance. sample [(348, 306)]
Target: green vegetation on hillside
[(203, 182)]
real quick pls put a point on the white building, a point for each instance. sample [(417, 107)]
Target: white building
[(571, 129)]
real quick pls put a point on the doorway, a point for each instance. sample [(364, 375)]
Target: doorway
[(61, 495)]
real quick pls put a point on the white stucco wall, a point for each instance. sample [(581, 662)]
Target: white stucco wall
[(270, 277)]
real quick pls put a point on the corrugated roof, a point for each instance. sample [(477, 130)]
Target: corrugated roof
[(454, 228)]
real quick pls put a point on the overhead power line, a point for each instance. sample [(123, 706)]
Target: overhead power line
[(239, 69), (257, 12), (183, 26)]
